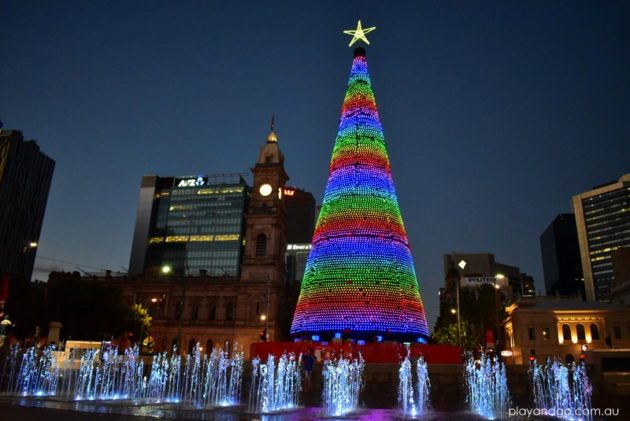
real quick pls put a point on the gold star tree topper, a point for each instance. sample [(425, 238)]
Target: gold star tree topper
[(359, 34)]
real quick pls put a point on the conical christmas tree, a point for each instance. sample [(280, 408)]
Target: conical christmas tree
[(359, 278)]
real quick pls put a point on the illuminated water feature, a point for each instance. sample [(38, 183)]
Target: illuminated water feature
[(413, 387), (561, 390), (195, 380), (343, 381), (99, 378), (487, 392), (275, 386)]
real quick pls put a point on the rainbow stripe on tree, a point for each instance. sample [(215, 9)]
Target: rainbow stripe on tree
[(359, 278)]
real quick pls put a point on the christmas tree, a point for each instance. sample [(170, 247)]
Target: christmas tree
[(359, 278)]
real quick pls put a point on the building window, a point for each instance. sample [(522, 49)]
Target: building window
[(229, 311), (531, 332), (213, 312), (194, 313), (594, 332), (617, 332), (566, 333), (580, 332), (209, 346), (545, 333), (261, 245)]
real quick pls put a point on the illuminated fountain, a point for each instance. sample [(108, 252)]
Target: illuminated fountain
[(101, 374), (343, 381), (9, 367), (222, 379), (275, 387), (413, 400), (38, 374), (486, 382), (104, 375), (561, 391)]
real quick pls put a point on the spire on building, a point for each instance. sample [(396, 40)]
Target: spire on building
[(272, 134), (270, 152)]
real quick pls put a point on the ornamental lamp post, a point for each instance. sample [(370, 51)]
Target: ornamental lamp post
[(462, 264), (497, 287)]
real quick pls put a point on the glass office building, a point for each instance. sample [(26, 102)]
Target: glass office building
[(603, 223), (190, 226), (25, 179)]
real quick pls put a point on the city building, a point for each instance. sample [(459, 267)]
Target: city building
[(561, 257), (485, 287), (557, 327), (602, 217), (300, 206), (190, 225), (482, 268), (25, 178), (620, 291), (296, 257), (225, 246)]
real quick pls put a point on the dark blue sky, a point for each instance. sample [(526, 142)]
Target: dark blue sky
[(495, 113)]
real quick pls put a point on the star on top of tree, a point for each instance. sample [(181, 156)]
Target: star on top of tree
[(359, 34)]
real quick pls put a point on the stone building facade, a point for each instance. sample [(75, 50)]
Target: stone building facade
[(551, 326)]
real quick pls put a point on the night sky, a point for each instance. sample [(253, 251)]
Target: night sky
[(495, 113)]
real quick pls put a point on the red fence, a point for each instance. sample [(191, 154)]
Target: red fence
[(380, 353)]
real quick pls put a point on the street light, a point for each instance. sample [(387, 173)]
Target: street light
[(30, 246), (166, 269), (462, 264), (497, 287), (263, 317)]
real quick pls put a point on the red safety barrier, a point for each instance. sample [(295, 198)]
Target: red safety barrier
[(379, 353)]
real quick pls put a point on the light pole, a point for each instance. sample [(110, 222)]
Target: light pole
[(267, 312), (166, 270), (497, 287), (462, 265)]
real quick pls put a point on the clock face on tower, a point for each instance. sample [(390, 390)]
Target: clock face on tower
[(265, 189)]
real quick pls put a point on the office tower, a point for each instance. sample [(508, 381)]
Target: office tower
[(561, 257), (25, 178), (190, 225), (602, 217)]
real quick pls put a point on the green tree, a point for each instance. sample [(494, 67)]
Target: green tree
[(481, 308), (88, 309), (139, 321)]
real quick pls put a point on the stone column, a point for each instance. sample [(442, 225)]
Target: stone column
[(53, 332)]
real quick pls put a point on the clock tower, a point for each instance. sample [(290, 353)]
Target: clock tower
[(266, 226), (263, 270)]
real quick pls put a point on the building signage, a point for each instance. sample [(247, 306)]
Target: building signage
[(288, 191), (192, 182), (474, 281), (299, 247)]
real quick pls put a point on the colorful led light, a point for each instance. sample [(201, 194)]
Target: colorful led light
[(359, 277)]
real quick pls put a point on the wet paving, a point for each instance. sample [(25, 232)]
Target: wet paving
[(35, 409)]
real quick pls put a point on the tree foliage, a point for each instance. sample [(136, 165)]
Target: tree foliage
[(91, 310), (481, 308)]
